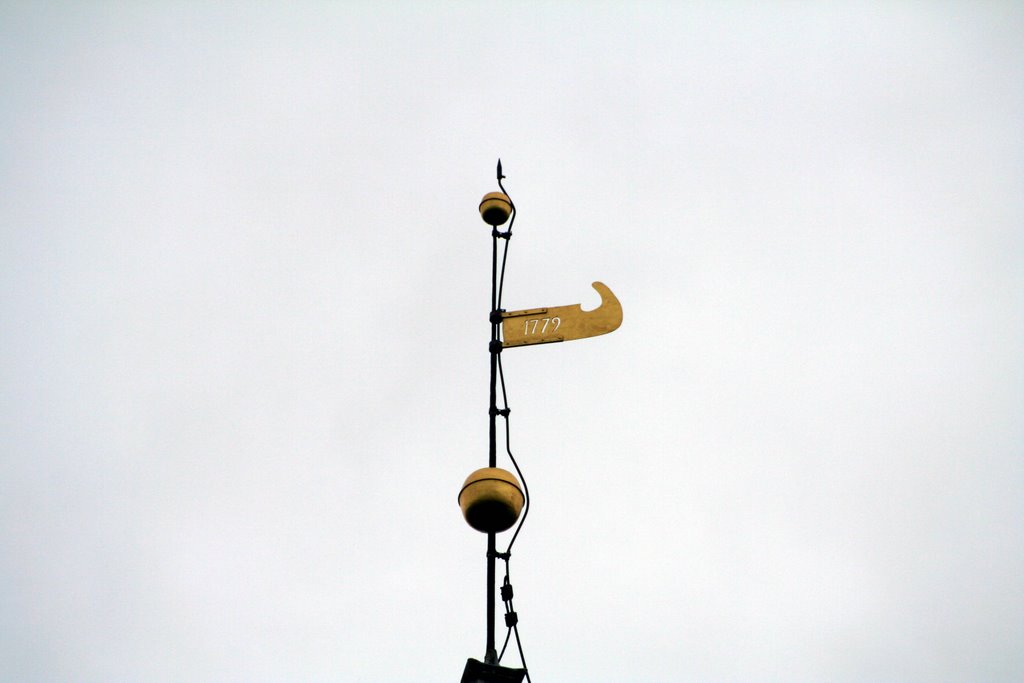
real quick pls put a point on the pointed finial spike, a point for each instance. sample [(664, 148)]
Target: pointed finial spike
[(500, 176)]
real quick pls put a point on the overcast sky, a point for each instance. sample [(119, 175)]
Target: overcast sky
[(243, 318)]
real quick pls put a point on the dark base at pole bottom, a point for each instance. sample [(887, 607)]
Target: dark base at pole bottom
[(478, 672)]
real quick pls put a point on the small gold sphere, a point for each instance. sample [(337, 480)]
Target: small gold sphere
[(491, 500), (495, 208)]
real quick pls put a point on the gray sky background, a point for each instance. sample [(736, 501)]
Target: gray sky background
[(243, 299)]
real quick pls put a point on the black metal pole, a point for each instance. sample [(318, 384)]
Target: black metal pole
[(491, 656)]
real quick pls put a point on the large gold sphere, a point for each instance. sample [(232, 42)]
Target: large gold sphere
[(495, 208), (491, 500)]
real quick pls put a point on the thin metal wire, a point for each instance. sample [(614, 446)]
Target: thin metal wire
[(496, 306), (501, 372), (522, 659), (508, 449), (508, 634), (508, 238)]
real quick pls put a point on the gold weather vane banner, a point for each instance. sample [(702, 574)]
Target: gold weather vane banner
[(561, 323)]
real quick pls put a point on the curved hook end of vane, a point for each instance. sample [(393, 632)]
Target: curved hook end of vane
[(609, 314)]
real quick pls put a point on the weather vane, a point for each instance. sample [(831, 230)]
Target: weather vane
[(492, 498)]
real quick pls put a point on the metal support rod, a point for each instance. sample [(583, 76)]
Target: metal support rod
[(494, 349), (491, 656)]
